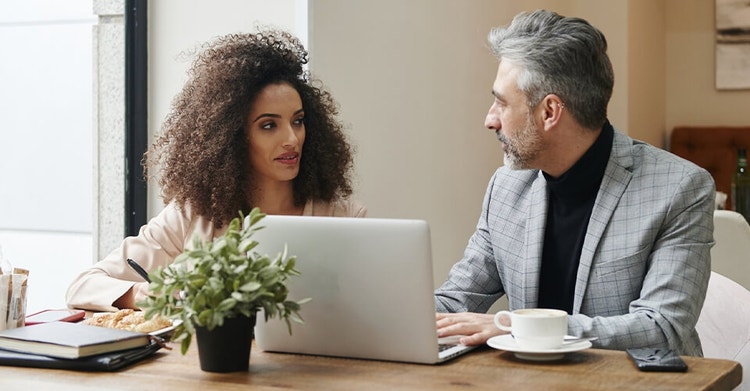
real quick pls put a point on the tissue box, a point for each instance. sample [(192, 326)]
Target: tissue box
[(13, 298)]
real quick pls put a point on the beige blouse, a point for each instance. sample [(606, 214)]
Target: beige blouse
[(158, 243)]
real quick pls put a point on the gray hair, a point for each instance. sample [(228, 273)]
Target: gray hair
[(559, 55)]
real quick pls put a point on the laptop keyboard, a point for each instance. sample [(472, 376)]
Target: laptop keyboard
[(445, 346)]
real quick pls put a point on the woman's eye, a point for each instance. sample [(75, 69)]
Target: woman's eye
[(268, 125), (299, 121)]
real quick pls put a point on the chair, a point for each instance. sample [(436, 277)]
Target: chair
[(713, 148), (724, 324), (731, 254)]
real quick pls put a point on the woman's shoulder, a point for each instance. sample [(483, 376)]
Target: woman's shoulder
[(338, 208), (184, 218)]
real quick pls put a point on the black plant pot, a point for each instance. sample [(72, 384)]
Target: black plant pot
[(226, 348)]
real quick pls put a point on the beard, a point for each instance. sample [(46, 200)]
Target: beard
[(524, 148)]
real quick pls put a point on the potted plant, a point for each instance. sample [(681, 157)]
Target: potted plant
[(216, 289)]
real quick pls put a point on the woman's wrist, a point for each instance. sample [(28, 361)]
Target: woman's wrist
[(136, 293)]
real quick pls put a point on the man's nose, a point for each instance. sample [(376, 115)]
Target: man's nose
[(492, 120)]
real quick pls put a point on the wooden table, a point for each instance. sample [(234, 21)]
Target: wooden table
[(481, 369)]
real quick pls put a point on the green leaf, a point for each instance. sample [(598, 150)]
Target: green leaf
[(223, 278), (251, 286), (226, 305), (185, 345)]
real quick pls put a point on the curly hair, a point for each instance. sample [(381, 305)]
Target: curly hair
[(202, 154)]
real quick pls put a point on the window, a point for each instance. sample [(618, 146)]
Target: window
[(46, 143)]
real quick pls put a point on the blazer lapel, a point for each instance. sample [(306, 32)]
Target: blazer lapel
[(617, 175)]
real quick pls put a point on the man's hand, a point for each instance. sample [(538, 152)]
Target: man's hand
[(475, 328)]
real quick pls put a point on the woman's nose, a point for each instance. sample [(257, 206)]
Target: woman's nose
[(292, 140)]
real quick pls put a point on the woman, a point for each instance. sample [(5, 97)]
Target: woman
[(249, 129)]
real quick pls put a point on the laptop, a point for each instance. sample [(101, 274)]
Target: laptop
[(371, 288)]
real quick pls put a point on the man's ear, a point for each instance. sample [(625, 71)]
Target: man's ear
[(552, 108)]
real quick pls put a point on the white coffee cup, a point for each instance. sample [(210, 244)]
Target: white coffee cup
[(535, 328)]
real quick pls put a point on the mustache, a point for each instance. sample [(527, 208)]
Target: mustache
[(501, 137)]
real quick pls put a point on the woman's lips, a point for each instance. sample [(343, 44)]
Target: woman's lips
[(288, 158)]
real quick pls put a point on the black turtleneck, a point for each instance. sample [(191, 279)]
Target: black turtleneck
[(571, 199)]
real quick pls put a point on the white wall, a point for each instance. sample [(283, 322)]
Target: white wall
[(176, 28)]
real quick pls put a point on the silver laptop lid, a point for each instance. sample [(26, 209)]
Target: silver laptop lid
[(371, 285)]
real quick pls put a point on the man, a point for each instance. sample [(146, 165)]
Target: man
[(581, 217)]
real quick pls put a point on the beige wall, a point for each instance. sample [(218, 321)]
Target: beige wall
[(413, 81), (692, 98), (416, 92), (646, 60)]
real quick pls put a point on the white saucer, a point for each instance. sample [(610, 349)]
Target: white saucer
[(506, 342)]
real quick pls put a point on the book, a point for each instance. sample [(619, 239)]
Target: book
[(50, 315), (70, 340), (99, 362)]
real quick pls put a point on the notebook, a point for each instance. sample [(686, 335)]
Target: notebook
[(112, 361), (371, 288), (69, 340)]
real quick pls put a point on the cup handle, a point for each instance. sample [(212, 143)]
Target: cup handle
[(500, 315)]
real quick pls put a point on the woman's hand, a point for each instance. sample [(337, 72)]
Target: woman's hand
[(475, 328), (136, 293)]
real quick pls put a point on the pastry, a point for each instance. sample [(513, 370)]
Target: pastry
[(128, 319)]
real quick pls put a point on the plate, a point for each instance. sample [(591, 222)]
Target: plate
[(167, 331), (506, 342)]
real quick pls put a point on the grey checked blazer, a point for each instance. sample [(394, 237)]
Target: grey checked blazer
[(645, 262)]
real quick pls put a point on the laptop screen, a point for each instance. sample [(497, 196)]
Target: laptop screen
[(370, 283)]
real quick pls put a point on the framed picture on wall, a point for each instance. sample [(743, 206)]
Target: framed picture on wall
[(732, 44)]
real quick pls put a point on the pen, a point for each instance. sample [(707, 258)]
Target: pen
[(138, 269)]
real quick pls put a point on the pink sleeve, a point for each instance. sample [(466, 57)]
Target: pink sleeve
[(157, 244)]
